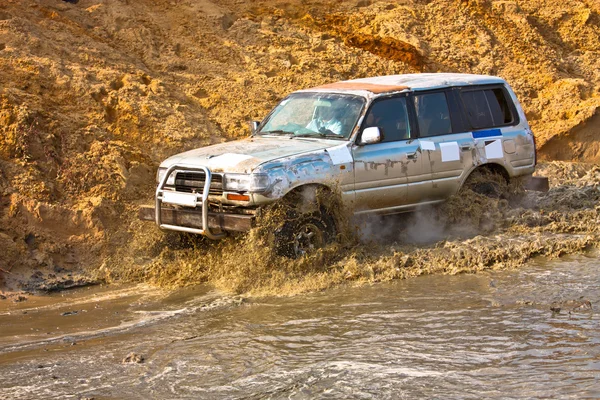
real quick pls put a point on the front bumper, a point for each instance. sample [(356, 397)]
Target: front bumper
[(193, 219), (191, 210)]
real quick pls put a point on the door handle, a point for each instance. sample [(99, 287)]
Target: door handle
[(466, 147), (412, 155)]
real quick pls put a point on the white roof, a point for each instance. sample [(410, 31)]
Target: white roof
[(431, 80), (415, 82)]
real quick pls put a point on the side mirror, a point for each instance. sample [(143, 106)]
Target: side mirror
[(253, 126), (370, 135)]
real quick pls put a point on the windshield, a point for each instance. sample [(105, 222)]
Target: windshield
[(314, 115)]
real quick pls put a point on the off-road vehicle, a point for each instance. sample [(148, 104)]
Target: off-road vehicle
[(384, 145)]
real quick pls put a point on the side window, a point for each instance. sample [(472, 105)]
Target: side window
[(487, 108), (433, 114), (501, 112), (391, 117), (477, 109)]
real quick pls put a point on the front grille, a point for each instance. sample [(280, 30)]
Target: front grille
[(193, 182)]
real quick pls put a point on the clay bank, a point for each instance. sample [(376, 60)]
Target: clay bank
[(95, 95)]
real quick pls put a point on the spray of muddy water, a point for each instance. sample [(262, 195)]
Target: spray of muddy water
[(469, 233)]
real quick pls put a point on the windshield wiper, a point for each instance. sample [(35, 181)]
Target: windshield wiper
[(318, 134), (276, 132)]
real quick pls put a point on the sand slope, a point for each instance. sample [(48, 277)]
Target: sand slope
[(94, 95)]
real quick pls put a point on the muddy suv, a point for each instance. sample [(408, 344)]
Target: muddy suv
[(383, 145)]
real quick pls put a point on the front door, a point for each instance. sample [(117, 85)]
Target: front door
[(383, 171)]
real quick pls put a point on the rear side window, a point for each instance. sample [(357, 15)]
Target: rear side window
[(501, 111), (391, 117), (487, 108), (433, 114)]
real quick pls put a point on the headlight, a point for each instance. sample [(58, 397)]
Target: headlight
[(245, 182), (161, 173)]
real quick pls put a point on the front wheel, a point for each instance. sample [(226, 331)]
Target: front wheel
[(304, 234)]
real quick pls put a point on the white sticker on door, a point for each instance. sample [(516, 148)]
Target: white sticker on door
[(427, 145), (450, 151), (494, 149), (340, 154)]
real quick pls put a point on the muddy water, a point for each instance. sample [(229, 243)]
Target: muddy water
[(490, 335)]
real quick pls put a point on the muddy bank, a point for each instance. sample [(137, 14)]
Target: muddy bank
[(94, 95), (470, 233)]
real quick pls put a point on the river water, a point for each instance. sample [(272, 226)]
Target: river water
[(490, 335)]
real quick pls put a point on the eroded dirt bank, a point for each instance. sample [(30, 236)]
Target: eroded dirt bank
[(93, 95)]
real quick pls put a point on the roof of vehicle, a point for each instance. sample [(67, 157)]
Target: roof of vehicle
[(396, 83)]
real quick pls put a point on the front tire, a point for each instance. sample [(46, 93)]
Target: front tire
[(303, 234)]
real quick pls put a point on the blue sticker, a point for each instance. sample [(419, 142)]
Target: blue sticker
[(487, 133)]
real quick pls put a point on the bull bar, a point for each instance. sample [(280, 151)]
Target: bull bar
[(203, 202)]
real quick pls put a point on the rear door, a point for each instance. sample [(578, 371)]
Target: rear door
[(446, 143), (384, 170)]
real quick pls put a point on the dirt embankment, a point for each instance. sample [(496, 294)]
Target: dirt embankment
[(94, 94)]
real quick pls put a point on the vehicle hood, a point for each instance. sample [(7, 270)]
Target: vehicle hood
[(245, 155)]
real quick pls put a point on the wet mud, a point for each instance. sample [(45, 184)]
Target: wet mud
[(470, 233)]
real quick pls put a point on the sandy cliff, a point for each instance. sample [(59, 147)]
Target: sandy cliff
[(94, 94)]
